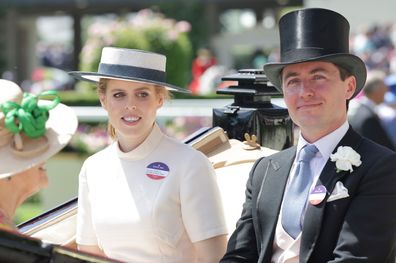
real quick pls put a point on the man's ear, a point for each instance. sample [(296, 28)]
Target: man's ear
[(351, 88)]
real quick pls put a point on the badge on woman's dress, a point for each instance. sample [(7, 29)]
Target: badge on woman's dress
[(157, 171)]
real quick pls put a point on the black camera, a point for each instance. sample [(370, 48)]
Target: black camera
[(252, 111)]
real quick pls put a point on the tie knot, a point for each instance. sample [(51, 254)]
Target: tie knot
[(307, 153)]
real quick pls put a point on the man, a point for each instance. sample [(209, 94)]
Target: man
[(387, 110), (346, 210), (364, 116)]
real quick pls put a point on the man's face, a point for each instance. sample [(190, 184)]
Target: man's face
[(316, 97)]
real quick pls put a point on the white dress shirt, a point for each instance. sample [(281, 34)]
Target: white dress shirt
[(286, 249)]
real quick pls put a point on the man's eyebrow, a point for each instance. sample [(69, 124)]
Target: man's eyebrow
[(313, 71), (318, 69), (290, 74)]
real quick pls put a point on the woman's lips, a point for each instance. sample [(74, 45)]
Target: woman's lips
[(131, 119)]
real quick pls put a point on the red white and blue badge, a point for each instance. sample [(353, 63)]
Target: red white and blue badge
[(317, 195), (157, 170)]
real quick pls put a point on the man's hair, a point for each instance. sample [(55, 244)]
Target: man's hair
[(344, 72)]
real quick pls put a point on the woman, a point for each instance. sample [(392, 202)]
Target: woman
[(31, 131), (146, 197)]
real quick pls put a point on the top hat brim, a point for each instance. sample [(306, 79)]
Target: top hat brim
[(95, 77), (60, 127), (350, 62)]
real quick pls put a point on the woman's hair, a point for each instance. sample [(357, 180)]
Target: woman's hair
[(102, 85)]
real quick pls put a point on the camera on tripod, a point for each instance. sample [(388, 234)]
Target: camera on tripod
[(252, 111)]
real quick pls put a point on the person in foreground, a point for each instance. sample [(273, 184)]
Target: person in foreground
[(330, 198), (31, 131), (146, 197)]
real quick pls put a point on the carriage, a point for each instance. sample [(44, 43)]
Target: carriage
[(242, 132)]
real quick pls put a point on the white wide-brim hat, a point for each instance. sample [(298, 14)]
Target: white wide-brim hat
[(60, 127), (130, 65)]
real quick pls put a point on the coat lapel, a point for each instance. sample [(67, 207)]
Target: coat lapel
[(313, 216), (270, 196)]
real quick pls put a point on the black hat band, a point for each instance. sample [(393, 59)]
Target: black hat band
[(136, 72)]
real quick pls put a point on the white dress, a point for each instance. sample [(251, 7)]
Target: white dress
[(150, 204)]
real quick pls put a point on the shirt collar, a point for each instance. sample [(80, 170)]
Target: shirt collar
[(326, 144)]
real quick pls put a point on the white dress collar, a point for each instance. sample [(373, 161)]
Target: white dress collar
[(144, 149)]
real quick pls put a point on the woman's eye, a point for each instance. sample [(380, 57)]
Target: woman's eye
[(142, 94)]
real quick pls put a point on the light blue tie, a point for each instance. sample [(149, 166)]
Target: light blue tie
[(297, 193)]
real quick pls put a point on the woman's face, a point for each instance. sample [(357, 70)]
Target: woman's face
[(31, 180), (132, 109)]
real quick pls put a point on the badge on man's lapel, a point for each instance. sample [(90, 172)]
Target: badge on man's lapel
[(317, 195)]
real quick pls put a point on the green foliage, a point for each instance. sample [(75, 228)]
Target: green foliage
[(34, 199), (90, 138), (146, 30), (3, 50), (76, 98), (192, 11), (27, 211)]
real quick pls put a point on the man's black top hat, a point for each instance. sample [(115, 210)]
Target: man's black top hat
[(314, 34)]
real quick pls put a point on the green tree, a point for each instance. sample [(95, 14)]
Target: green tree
[(146, 30)]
